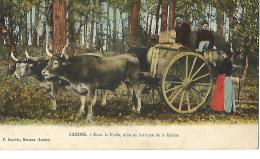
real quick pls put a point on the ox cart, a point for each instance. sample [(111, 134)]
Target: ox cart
[(180, 77)]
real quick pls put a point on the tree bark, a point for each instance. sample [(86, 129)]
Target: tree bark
[(36, 25), (91, 40), (134, 22), (123, 32), (86, 31), (171, 16), (150, 25), (220, 20), (71, 25), (31, 27), (59, 29), (7, 36), (157, 16), (114, 28), (164, 16), (108, 39), (24, 31)]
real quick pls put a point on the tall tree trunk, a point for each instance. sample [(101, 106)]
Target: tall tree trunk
[(86, 30), (150, 25), (147, 21), (99, 43), (1, 40), (157, 16), (220, 20), (36, 25), (134, 22), (1, 19), (91, 40), (31, 27), (171, 16), (59, 29), (7, 35), (24, 31), (123, 32), (114, 28), (71, 25), (164, 16), (108, 39)]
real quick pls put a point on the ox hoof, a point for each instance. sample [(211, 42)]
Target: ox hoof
[(135, 113), (80, 113), (89, 118)]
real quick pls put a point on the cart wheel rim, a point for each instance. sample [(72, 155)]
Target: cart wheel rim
[(185, 88)]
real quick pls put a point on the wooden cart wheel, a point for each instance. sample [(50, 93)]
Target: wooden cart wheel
[(150, 94), (186, 82)]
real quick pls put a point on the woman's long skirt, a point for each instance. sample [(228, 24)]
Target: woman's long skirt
[(223, 96), (229, 98), (217, 103)]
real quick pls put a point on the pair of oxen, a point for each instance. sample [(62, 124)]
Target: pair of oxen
[(85, 74)]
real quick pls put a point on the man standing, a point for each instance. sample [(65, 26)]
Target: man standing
[(205, 38)]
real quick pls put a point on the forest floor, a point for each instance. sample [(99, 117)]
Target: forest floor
[(118, 112)]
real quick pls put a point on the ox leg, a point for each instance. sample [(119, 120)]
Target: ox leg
[(82, 106), (104, 98), (137, 98), (92, 98), (129, 92), (53, 93)]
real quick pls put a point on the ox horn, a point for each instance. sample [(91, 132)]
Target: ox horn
[(47, 41), (48, 51), (64, 48), (63, 52), (14, 58), (27, 54)]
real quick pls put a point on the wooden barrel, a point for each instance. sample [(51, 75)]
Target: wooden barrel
[(213, 56), (160, 55)]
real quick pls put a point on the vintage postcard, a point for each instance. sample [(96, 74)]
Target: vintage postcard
[(129, 74)]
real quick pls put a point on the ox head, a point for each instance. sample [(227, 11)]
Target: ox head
[(56, 63), (24, 67), (54, 67)]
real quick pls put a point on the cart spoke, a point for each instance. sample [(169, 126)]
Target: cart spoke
[(182, 95), (199, 92), (172, 98), (175, 76), (172, 89), (198, 70), (203, 84), (192, 66), (188, 100), (201, 77), (187, 65), (172, 82)]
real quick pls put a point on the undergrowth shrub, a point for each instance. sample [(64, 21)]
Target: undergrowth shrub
[(22, 99)]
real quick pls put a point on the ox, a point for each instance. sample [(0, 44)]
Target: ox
[(88, 73), (32, 67)]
